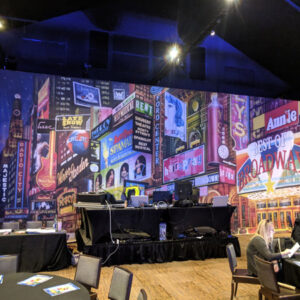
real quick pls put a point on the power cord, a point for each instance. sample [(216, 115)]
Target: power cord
[(117, 242)]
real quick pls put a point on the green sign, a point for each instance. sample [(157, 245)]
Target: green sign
[(144, 108)]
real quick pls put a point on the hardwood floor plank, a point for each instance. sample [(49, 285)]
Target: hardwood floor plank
[(188, 280)]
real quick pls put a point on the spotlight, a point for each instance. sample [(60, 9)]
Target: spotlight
[(212, 33), (2, 24), (173, 54)]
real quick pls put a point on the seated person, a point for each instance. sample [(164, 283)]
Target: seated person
[(261, 246)]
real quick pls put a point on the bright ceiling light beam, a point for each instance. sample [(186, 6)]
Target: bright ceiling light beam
[(173, 53)]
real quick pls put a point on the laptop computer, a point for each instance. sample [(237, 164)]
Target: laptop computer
[(218, 201), (138, 201)]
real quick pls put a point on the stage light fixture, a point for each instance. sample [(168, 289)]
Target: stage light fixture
[(212, 33), (2, 24), (173, 54)]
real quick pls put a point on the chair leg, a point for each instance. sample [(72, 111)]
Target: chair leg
[(259, 295), (235, 290), (232, 290)]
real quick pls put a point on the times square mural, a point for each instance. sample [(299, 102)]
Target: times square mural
[(61, 136)]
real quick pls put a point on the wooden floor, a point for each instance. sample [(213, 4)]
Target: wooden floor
[(208, 279)]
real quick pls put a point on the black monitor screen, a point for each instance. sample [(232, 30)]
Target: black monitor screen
[(164, 196), (183, 190)]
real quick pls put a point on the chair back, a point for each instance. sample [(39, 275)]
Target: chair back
[(50, 224), (8, 264), (266, 274), (88, 271), (10, 225), (34, 224), (231, 257), (120, 285), (142, 295)]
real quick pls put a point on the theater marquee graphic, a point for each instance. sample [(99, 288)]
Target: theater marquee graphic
[(269, 163), (152, 136)]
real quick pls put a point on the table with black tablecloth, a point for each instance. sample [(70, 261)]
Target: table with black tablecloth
[(10, 290), (94, 235), (291, 271), (96, 222), (37, 252)]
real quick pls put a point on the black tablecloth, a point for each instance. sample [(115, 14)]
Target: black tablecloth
[(10, 290), (96, 223), (37, 252), (163, 251), (179, 219), (291, 271)]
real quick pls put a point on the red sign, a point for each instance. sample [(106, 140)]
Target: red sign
[(184, 164), (227, 175), (284, 116)]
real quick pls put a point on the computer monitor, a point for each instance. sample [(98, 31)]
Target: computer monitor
[(183, 190), (164, 196)]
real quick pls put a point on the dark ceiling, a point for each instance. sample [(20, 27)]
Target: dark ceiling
[(267, 31)]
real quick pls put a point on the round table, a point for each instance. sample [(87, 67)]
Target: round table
[(10, 290)]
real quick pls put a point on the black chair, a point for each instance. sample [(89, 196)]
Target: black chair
[(269, 286), (120, 286), (8, 264), (88, 273), (34, 224), (10, 225), (238, 275), (142, 295)]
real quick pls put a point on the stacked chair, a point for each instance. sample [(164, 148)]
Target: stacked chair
[(34, 224), (50, 224), (10, 225)]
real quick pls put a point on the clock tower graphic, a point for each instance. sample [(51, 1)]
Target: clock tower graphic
[(15, 129)]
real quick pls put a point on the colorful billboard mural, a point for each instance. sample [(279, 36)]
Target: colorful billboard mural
[(62, 135), (117, 146), (184, 165)]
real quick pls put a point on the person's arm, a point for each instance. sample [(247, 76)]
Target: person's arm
[(264, 251)]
